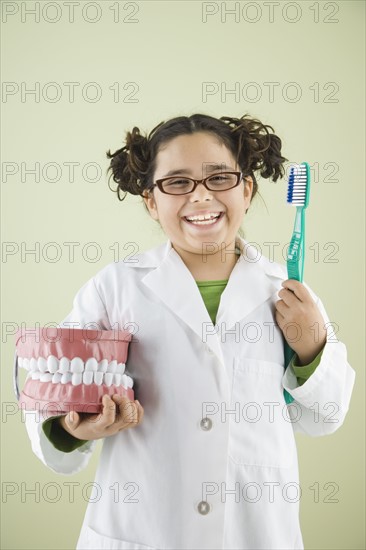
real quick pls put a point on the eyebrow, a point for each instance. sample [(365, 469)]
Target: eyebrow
[(209, 168)]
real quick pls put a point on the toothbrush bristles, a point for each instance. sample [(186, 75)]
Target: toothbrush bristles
[(297, 183)]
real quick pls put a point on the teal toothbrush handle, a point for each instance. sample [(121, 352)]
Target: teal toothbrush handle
[(295, 270)]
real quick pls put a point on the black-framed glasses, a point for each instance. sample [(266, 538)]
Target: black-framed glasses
[(178, 185)]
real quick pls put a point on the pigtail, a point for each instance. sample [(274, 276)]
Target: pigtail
[(129, 165), (257, 148)]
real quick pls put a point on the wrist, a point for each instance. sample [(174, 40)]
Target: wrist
[(306, 359)]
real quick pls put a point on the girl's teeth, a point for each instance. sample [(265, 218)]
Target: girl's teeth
[(205, 222)]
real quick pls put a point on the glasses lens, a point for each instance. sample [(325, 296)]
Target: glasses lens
[(177, 186), (222, 181)]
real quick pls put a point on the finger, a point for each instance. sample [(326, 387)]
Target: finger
[(127, 411), (280, 320), (121, 402), (288, 296), (297, 288), (72, 420), (108, 413), (140, 412), (130, 412), (281, 307)]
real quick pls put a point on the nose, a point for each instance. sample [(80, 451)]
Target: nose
[(201, 193)]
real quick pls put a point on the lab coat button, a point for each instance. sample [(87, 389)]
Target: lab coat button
[(209, 350), (203, 507), (206, 424)]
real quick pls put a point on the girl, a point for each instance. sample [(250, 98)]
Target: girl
[(211, 461)]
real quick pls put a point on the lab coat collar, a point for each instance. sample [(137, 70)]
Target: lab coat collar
[(253, 280)]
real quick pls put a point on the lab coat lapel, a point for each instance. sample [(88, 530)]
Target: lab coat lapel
[(253, 280), (174, 284)]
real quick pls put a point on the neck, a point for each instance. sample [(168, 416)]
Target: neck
[(210, 267)]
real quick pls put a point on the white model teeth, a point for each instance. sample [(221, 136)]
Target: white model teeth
[(127, 381), (77, 365), (64, 365), (65, 370), (108, 378), (98, 378), (46, 377), (52, 363), (112, 367), (32, 364), (42, 364), (117, 379), (120, 368), (76, 378), (103, 365), (88, 377), (66, 377), (56, 378), (91, 365)]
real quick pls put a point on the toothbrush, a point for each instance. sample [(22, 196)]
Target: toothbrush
[(298, 191)]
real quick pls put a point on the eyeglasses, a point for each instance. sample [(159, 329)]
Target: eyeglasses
[(182, 186)]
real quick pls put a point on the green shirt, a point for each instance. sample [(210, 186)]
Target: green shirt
[(211, 293)]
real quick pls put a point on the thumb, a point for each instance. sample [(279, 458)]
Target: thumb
[(73, 420)]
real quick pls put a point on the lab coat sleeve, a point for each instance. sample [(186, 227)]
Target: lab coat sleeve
[(87, 307), (322, 401)]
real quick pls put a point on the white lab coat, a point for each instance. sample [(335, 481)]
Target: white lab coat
[(152, 478)]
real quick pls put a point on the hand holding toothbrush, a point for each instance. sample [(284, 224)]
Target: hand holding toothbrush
[(300, 320), (300, 305)]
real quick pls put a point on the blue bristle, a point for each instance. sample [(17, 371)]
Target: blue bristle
[(296, 191)]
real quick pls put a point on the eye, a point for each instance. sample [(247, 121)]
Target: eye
[(177, 182), (218, 178)]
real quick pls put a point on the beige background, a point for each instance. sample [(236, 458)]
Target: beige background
[(168, 52)]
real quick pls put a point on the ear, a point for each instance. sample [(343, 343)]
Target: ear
[(248, 190), (149, 200)]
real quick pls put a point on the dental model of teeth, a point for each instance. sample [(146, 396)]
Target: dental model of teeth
[(71, 369), (76, 371)]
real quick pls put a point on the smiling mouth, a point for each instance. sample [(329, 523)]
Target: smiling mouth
[(199, 220)]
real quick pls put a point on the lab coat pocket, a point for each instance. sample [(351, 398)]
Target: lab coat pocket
[(96, 541), (261, 432)]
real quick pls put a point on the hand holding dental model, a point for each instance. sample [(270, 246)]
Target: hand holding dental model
[(118, 414), (80, 372), (297, 308)]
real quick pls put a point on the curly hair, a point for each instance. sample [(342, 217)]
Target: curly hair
[(248, 139)]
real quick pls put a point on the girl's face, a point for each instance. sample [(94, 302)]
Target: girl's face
[(193, 153)]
